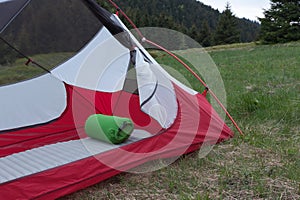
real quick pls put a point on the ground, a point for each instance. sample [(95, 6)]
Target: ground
[(263, 95)]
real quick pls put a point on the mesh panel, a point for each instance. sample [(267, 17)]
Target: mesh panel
[(8, 10), (49, 31), (13, 68)]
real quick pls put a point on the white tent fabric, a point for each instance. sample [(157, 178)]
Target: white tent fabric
[(101, 65), (156, 92), (34, 101), (53, 156), (154, 62)]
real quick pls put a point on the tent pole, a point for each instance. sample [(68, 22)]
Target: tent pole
[(199, 79), (181, 62), (127, 18)]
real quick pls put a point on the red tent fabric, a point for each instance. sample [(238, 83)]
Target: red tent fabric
[(45, 152)]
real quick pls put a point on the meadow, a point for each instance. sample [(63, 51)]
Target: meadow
[(263, 95), (262, 84)]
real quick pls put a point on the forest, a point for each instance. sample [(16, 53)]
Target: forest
[(191, 17), (45, 27)]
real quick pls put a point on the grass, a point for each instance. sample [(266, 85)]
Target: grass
[(263, 95), (19, 71), (263, 91)]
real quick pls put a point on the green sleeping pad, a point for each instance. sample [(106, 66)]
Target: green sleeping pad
[(110, 129)]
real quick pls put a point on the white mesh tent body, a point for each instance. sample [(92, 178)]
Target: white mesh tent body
[(94, 66)]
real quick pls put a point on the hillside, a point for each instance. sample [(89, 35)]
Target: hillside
[(187, 16)]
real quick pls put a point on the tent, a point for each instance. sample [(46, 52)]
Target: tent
[(92, 65)]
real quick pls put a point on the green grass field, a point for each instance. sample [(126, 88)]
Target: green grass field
[(263, 95), (263, 91)]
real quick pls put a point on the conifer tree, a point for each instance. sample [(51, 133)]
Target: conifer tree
[(193, 32), (227, 31), (281, 22), (205, 35)]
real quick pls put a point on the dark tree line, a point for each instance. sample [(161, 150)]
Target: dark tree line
[(45, 27), (191, 17)]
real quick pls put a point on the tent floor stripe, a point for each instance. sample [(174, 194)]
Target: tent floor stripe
[(40, 159)]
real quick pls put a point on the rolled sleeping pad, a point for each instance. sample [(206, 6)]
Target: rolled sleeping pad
[(109, 129)]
